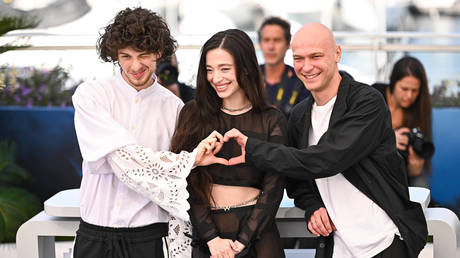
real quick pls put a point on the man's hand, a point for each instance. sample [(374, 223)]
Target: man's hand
[(208, 148), (241, 139), (221, 248), (320, 223)]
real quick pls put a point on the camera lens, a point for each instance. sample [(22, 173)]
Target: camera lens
[(422, 147)]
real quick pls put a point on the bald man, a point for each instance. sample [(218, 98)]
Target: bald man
[(345, 169)]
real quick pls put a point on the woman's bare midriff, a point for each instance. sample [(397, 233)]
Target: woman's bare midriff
[(227, 195)]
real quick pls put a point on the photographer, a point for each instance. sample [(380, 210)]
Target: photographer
[(168, 73), (408, 98)]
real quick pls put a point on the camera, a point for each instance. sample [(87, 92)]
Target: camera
[(422, 147), (167, 73)]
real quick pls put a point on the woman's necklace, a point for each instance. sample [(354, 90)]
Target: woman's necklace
[(237, 109)]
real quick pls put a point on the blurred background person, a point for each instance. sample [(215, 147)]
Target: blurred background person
[(168, 74), (409, 101), (283, 88)]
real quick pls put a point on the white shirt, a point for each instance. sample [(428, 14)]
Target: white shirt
[(363, 228), (110, 114)]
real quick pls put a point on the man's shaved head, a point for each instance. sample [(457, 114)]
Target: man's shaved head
[(317, 32), (316, 56)]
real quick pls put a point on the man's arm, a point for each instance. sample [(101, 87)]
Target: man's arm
[(97, 131), (306, 195), (307, 199), (159, 176), (347, 141)]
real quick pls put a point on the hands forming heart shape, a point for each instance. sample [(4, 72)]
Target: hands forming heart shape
[(212, 144)]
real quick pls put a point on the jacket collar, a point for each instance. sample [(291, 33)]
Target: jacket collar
[(340, 105)]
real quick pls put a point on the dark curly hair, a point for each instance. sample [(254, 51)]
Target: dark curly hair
[(138, 28)]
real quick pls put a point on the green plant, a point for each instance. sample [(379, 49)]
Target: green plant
[(36, 87), (17, 205), (30, 86), (10, 23)]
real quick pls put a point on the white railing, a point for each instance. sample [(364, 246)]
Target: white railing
[(35, 238), (375, 43)]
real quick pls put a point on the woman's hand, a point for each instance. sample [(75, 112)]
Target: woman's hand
[(414, 163), (402, 140), (207, 148), (221, 248), (238, 247)]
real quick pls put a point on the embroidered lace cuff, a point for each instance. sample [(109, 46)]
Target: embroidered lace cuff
[(180, 242), (159, 176)]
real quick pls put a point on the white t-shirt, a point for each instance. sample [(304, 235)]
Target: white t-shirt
[(110, 114), (363, 228)]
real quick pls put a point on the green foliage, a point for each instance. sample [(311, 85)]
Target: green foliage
[(440, 98), (9, 47), (17, 205), (10, 23), (35, 87), (10, 172)]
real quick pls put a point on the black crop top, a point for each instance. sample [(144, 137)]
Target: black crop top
[(269, 125)]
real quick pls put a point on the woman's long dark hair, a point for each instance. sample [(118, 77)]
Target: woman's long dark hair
[(199, 117), (419, 113)]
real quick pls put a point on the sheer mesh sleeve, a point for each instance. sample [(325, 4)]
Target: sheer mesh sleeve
[(268, 203), (159, 176), (204, 228)]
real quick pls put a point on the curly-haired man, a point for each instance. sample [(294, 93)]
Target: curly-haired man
[(126, 109)]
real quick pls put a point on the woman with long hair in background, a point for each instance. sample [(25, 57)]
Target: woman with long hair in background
[(409, 101)]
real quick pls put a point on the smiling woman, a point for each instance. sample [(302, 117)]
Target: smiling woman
[(220, 72), (232, 208)]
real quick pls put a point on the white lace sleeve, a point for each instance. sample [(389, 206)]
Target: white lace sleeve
[(180, 240), (159, 176)]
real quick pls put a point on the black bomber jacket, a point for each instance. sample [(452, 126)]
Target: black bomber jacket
[(360, 144)]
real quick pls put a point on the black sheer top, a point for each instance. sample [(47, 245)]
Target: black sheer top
[(269, 125)]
